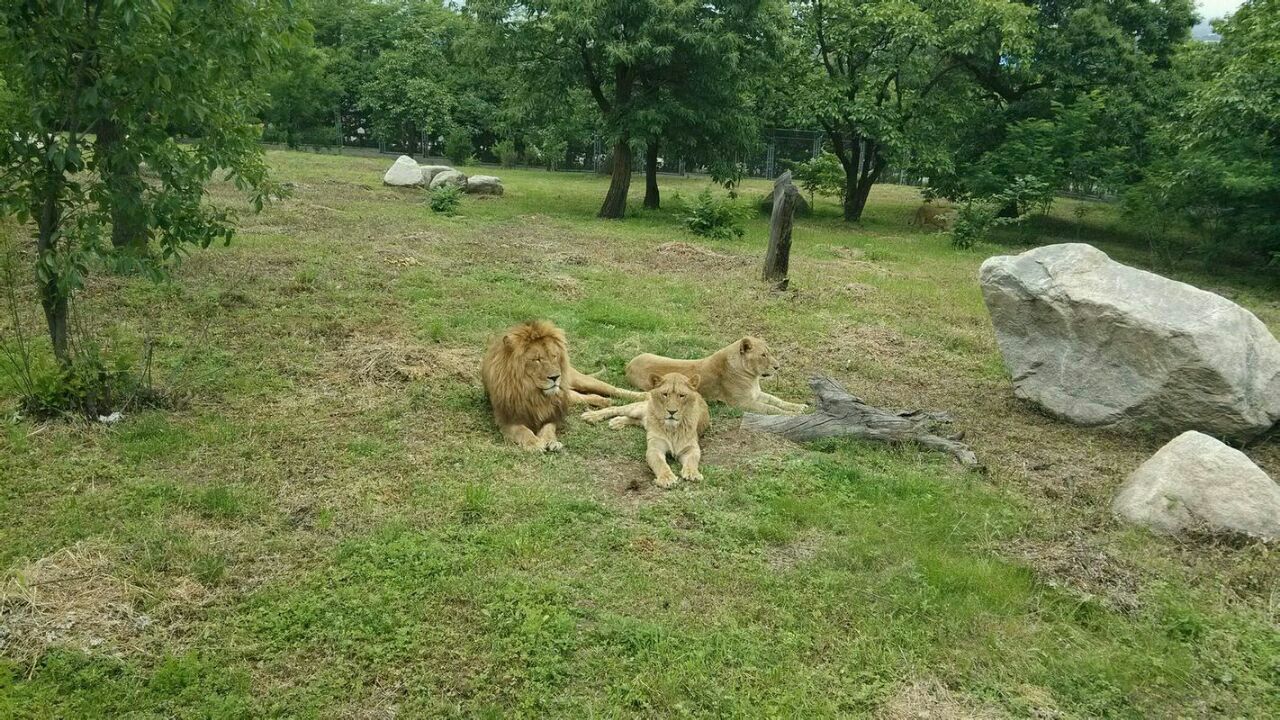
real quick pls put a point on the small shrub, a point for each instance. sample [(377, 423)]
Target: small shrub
[(713, 217), (507, 153), (457, 146), (94, 385), (974, 220), (446, 199), (823, 175)]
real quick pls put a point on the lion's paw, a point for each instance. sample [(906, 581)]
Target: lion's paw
[(618, 423), (691, 474), (554, 446), (591, 416), (666, 480)]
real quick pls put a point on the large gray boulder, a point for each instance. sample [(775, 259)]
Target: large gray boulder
[(404, 172), (1197, 483), (484, 185), (1100, 343), (429, 172), (448, 177)]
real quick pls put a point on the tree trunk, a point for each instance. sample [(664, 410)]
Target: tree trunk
[(123, 178), (52, 300), (615, 202), (778, 257), (651, 197), (855, 197), (840, 414), (858, 184)]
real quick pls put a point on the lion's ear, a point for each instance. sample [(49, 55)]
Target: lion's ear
[(655, 380), (745, 344), (509, 341), (694, 379)]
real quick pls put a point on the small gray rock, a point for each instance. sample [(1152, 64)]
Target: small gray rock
[(484, 185), (1197, 483), (448, 177), (1100, 343), (404, 172), (429, 172)]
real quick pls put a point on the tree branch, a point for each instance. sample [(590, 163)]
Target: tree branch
[(840, 414)]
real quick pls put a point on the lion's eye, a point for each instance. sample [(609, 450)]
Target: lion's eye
[(683, 396)]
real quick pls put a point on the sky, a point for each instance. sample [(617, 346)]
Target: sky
[(1210, 9)]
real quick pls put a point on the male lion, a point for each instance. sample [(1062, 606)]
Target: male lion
[(731, 375), (931, 215), (530, 384), (673, 416)]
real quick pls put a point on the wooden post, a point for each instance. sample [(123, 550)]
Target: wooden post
[(778, 257)]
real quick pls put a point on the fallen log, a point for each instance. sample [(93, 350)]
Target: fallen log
[(841, 414)]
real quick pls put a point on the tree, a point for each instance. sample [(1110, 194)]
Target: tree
[(1075, 108), (882, 79), (139, 74), (1217, 166), (305, 98), (701, 106), (634, 59)]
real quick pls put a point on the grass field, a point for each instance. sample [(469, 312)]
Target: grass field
[(330, 526)]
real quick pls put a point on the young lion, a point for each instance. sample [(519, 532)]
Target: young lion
[(674, 416), (530, 384), (931, 215), (731, 375)]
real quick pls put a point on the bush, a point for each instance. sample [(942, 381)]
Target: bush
[(95, 384), (507, 153), (457, 146), (976, 217), (713, 217), (446, 199)]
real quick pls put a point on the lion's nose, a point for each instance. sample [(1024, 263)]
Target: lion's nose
[(672, 413), (553, 378)]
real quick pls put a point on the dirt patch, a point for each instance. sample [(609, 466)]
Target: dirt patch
[(683, 255), (1083, 566), (390, 362), (874, 344), (931, 700), (788, 555), (627, 479), (567, 286), (70, 599), (727, 445)]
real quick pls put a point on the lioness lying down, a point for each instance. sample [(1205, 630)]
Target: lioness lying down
[(530, 384), (731, 375), (673, 416)]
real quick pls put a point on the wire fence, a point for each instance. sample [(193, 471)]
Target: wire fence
[(779, 150)]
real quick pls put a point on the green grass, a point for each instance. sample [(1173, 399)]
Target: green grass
[(330, 526)]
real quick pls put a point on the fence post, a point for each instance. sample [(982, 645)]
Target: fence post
[(817, 145), (337, 125), (769, 159)]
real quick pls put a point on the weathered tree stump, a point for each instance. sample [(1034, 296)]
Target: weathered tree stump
[(839, 414), (778, 257)]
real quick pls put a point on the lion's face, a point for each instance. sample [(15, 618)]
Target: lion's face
[(756, 358), (539, 356), (673, 397), (544, 366)]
